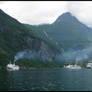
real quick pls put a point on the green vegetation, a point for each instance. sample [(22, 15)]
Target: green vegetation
[(36, 64), (11, 38), (30, 64)]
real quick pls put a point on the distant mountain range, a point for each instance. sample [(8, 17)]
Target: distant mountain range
[(66, 32)]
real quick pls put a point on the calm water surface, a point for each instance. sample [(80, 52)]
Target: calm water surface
[(46, 80)]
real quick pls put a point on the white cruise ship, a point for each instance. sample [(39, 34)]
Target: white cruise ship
[(73, 66), (12, 67), (89, 65)]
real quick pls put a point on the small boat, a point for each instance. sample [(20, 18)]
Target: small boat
[(72, 67), (12, 67)]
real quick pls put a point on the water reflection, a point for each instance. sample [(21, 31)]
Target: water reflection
[(5, 80), (46, 80)]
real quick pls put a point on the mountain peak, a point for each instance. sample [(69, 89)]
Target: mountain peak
[(65, 17), (66, 14)]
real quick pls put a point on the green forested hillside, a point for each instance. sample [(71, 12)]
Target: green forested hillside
[(15, 37), (11, 38)]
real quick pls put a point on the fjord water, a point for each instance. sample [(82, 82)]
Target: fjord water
[(46, 80)]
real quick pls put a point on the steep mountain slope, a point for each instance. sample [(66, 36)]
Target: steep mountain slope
[(66, 32), (15, 37)]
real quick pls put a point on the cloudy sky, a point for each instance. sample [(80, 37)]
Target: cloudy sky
[(38, 12)]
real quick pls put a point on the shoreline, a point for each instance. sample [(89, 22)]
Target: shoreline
[(41, 68), (34, 68)]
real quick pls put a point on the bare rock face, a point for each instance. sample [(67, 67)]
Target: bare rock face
[(41, 50), (46, 52)]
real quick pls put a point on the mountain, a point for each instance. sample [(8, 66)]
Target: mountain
[(32, 44), (65, 33), (15, 37)]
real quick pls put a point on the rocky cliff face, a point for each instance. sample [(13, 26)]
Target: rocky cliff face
[(40, 50)]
